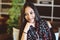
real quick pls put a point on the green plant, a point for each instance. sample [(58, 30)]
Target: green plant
[(14, 13)]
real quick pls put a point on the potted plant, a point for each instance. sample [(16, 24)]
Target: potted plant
[(14, 13)]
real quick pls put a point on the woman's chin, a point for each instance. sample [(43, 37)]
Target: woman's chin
[(31, 21)]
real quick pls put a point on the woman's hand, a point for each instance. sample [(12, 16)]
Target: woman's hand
[(24, 35), (27, 26)]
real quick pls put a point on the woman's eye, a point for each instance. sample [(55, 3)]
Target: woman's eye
[(30, 12), (25, 14)]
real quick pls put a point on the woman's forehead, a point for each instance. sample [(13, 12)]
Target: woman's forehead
[(28, 9)]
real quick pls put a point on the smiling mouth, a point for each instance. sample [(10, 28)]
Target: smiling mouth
[(30, 19)]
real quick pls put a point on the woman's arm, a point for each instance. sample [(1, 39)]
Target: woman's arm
[(24, 35)]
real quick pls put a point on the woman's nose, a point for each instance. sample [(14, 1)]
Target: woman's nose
[(29, 16)]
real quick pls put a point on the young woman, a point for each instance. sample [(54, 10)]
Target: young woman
[(32, 26)]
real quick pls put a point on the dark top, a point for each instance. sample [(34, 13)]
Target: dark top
[(42, 32)]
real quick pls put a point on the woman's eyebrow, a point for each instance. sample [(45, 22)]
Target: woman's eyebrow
[(26, 13), (31, 12)]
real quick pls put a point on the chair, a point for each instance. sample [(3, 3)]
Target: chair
[(15, 34)]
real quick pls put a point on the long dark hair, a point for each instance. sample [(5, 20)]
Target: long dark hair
[(23, 20)]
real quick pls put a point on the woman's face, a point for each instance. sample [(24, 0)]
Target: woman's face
[(29, 14)]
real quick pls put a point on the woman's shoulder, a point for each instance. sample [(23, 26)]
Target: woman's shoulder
[(42, 21)]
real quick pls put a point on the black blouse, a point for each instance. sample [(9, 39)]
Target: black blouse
[(42, 32)]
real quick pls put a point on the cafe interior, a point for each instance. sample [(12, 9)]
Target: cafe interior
[(49, 10)]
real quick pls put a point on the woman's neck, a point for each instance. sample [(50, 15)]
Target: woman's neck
[(33, 24)]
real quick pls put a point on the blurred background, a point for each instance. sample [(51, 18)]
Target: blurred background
[(10, 12)]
